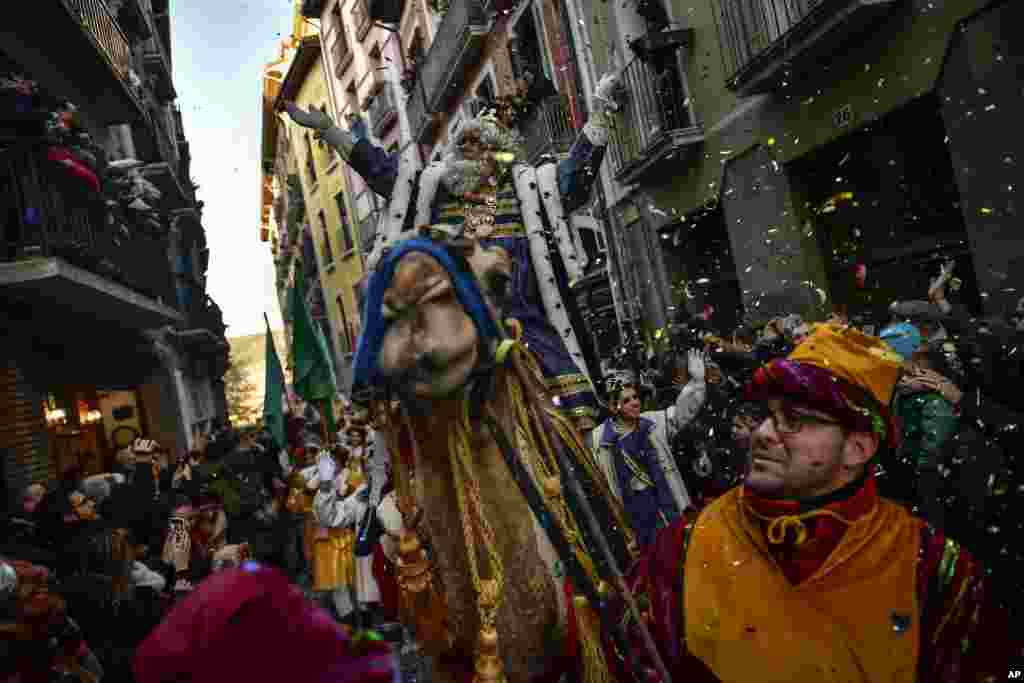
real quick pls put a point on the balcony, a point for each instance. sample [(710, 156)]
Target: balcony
[(655, 123), (60, 253), (386, 11), (164, 169), (764, 38), (383, 110), (76, 48), (312, 9), (157, 65), (205, 314), (457, 47), (132, 17), (549, 130)]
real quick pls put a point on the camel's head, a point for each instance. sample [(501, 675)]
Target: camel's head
[(430, 318)]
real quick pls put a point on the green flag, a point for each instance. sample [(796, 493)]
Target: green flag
[(312, 373), (273, 411)]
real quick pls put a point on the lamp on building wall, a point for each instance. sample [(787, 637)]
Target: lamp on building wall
[(56, 417)]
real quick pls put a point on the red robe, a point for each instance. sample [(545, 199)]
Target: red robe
[(965, 635)]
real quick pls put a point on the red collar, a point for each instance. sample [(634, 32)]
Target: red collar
[(852, 504)]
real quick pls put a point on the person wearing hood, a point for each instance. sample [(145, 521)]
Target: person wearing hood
[(250, 624), (925, 403)]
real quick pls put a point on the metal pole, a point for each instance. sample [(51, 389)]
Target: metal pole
[(602, 541)]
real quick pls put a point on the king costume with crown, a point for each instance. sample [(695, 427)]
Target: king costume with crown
[(483, 189)]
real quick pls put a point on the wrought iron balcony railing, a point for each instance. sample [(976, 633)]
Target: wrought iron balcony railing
[(132, 16), (383, 110), (655, 122), (457, 45), (476, 105), (101, 25), (761, 38), (549, 130), (59, 216)]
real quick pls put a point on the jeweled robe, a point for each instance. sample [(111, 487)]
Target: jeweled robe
[(536, 300)]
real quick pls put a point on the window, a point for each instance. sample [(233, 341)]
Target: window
[(339, 49), (325, 237), (345, 227), (310, 163), (346, 340), (333, 152), (361, 14), (592, 241)]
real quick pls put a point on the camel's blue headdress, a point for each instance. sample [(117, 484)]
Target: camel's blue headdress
[(367, 374)]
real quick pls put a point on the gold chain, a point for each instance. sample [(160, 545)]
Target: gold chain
[(467, 491), (481, 213)]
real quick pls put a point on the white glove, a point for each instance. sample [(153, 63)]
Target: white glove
[(285, 462), (309, 473), (606, 89), (695, 365), (314, 118), (326, 467)]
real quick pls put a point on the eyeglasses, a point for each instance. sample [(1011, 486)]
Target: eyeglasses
[(787, 419)]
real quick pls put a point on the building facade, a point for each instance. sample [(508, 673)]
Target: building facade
[(456, 57), (308, 214), (107, 328), (781, 145), (363, 64)]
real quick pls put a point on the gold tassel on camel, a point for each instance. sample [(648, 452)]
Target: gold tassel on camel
[(488, 666), (420, 597)]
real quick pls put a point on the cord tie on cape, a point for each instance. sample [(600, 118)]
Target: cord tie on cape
[(779, 526), (506, 346)]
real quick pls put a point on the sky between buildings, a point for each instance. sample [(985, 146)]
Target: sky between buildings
[(219, 49)]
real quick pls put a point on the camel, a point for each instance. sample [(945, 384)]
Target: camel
[(497, 564)]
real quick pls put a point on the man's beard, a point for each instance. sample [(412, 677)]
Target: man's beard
[(463, 175)]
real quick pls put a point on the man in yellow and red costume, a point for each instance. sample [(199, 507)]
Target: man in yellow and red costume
[(803, 573)]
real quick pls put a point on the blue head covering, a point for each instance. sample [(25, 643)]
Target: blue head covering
[(904, 339), (366, 371)]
